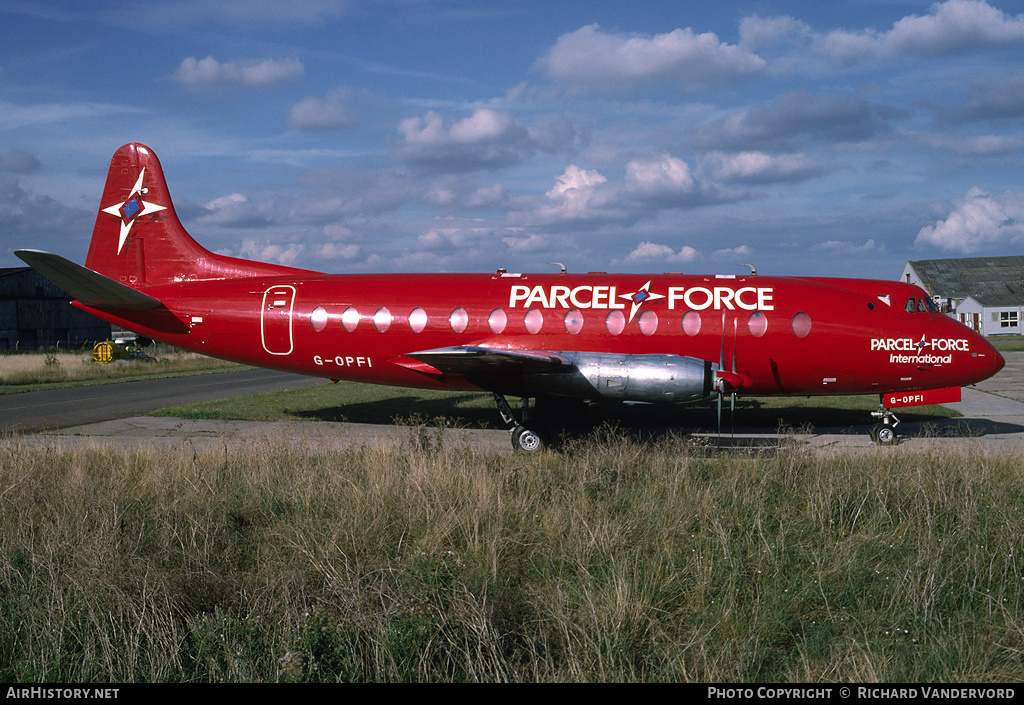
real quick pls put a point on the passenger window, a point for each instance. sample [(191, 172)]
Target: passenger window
[(497, 321), (534, 319), (648, 322), (418, 320), (615, 322), (458, 320), (350, 319), (574, 321)]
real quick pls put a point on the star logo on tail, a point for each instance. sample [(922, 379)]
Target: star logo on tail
[(132, 209), (639, 297)]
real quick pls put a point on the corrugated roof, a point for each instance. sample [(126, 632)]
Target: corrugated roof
[(991, 281)]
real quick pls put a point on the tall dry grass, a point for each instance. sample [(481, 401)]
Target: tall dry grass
[(40, 368), (432, 561)]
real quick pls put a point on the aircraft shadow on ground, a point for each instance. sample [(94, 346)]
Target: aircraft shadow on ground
[(408, 409), (753, 424), (961, 428)]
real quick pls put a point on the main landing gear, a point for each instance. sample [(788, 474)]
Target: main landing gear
[(526, 436), (884, 432)]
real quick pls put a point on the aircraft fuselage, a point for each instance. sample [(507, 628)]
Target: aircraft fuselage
[(623, 337), (790, 336)]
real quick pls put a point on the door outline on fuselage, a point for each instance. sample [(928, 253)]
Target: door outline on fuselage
[(276, 319)]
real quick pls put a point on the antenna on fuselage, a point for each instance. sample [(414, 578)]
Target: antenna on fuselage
[(559, 265), (753, 269)]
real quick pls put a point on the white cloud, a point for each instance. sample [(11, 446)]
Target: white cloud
[(733, 252), (261, 251), (453, 239), (655, 252), (950, 27), (484, 125), (332, 112), (591, 58), (660, 174), (842, 247), (338, 250), (233, 211), (249, 73), (663, 182), (576, 195), (574, 190), (761, 167), (650, 185), (533, 242), (485, 139), (954, 26), (980, 220)]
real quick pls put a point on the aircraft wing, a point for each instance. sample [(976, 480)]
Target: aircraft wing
[(574, 373), (468, 360), (86, 286)]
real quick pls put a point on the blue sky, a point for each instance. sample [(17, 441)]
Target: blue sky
[(829, 139)]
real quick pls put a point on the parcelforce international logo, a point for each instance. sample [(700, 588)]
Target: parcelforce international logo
[(694, 298), (133, 208), (909, 351), (911, 345)]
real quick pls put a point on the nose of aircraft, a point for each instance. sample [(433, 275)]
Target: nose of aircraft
[(998, 361), (990, 360), (980, 362)]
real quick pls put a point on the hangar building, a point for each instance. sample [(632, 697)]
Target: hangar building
[(983, 293), (36, 315)]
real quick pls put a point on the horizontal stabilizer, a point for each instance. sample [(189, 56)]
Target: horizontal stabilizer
[(86, 286), (467, 359)]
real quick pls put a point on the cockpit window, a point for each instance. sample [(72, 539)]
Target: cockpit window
[(920, 306)]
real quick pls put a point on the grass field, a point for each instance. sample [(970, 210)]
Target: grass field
[(428, 560), (21, 372), (425, 559), (1008, 343)]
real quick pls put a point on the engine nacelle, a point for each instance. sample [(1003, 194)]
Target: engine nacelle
[(643, 378)]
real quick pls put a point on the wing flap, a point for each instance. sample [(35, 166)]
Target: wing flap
[(86, 286), (474, 360)]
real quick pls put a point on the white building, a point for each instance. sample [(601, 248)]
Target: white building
[(984, 293)]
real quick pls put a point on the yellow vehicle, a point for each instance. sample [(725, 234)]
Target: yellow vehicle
[(110, 351)]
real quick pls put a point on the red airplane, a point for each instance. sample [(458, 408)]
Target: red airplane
[(597, 336)]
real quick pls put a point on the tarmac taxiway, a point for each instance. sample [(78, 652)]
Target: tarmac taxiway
[(992, 417)]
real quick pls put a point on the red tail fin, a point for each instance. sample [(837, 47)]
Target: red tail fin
[(138, 239)]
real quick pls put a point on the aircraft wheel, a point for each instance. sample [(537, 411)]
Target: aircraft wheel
[(884, 435), (527, 440)]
